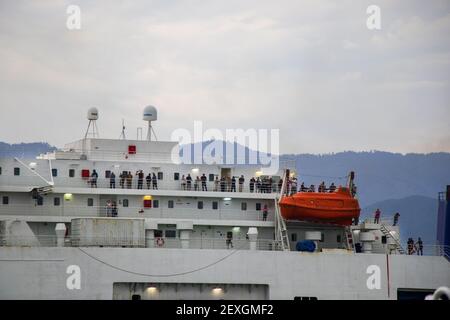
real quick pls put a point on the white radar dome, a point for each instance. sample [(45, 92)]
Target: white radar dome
[(150, 114), (92, 114)]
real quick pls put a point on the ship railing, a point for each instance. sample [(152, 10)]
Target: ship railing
[(134, 184), (427, 250), (68, 210), (139, 242), (385, 220)]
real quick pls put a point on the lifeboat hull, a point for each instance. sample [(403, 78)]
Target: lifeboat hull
[(336, 208)]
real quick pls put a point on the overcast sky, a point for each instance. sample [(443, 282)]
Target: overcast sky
[(309, 68)]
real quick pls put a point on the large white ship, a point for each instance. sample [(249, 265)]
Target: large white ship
[(83, 222)]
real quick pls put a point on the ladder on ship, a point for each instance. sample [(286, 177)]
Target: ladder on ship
[(398, 246), (280, 224), (349, 238)]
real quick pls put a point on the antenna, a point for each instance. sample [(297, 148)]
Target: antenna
[(150, 114), (122, 135), (92, 129)]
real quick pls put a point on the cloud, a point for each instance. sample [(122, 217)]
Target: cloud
[(310, 68)]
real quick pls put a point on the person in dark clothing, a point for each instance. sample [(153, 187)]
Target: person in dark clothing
[(241, 183), (396, 216), (94, 177), (129, 180), (265, 212), (112, 180), (148, 180), (233, 184), (410, 244), (188, 182), (252, 184), (419, 247), (332, 187), (312, 188), (303, 188), (222, 184), (140, 176), (203, 178), (154, 182), (280, 184), (114, 209), (122, 180)]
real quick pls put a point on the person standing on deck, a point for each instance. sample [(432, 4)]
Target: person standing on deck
[(203, 178), (377, 216), (396, 216), (419, 247), (241, 183), (265, 212), (94, 177), (154, 182), (112, 180), (148, 180)]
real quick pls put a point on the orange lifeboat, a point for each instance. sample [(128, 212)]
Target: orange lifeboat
[(338, 207)]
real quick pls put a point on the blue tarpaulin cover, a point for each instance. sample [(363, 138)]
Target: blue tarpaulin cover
[(306, 245)]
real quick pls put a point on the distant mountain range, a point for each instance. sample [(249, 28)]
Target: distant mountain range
[(389, 181), (24, 150)]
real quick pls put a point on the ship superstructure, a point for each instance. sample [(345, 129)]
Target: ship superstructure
[(127, 215)]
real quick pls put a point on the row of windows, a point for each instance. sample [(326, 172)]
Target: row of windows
[(125, 203)]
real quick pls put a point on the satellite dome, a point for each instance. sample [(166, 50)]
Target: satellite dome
[(92, 114), (150, 114)]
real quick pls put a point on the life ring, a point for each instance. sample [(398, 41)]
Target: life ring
[(159, 242)]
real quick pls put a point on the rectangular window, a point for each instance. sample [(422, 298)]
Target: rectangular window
[(200, 205), (71, 173), (215, 205), (54, 172), (338, 238), (258, 206), (211, 177), (17, 171), (90, 202), (107, 174), (160, 175), (125, 202), (5, 200), (171, 233), (243, 206), (40, 200), (170, 204), (158, 233), (176, 176), (293, 237), (155, 203), (56, 201)]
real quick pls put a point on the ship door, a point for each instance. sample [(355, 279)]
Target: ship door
[(225, 172)]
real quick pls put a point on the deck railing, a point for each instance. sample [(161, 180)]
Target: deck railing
[(157, 242), (67, 210), (135, 184)]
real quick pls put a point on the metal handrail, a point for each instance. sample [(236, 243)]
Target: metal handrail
[(130, 241)]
